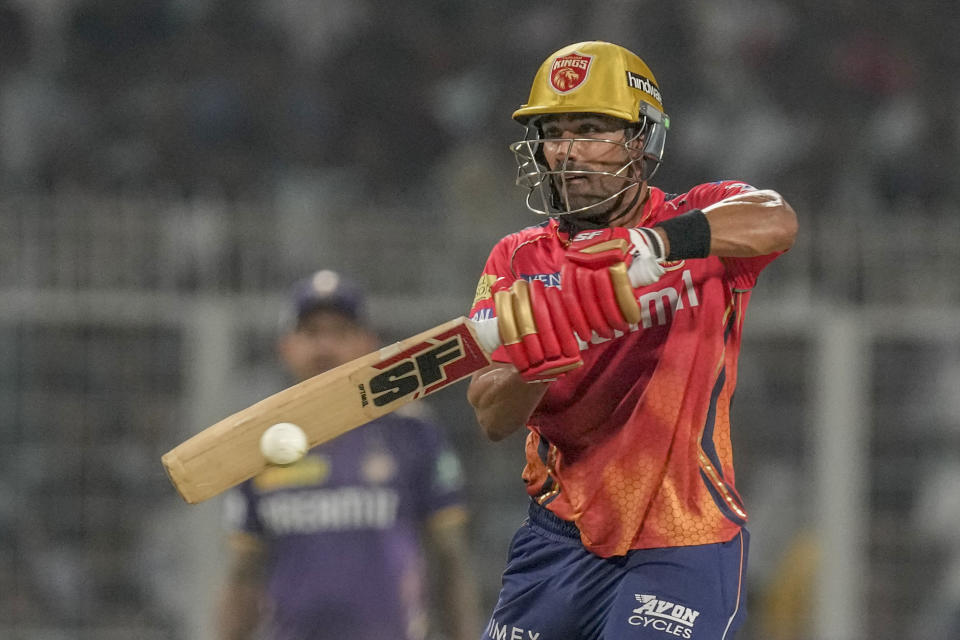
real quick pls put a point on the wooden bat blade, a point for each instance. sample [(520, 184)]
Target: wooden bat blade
[(326, 406)]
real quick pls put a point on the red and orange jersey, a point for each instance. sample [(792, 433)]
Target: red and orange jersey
[(634, 446)]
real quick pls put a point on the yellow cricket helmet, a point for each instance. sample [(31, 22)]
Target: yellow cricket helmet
[(591, 78), (594, 77)]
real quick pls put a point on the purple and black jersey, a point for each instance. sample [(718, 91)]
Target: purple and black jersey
[(342, 527)]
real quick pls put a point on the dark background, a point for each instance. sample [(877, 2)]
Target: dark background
[(168, 167)]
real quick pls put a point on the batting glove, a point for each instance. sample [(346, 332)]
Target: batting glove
[(601, 269), (535, 330)]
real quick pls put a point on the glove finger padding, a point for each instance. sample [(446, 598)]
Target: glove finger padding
[(599, 300), (522, 311), (608, 300), (507, 326), (571, 302), (541, 315), (589, 296), (623, 291), (529, 334), (606, 295), (569, 348)]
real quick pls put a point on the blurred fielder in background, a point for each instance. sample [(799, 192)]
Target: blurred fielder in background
[(635, 528), (335, 545)]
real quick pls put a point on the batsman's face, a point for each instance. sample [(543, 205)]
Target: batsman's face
[(591, 152), (323, 340)]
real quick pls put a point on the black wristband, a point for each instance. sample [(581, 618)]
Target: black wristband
[(688, 235)]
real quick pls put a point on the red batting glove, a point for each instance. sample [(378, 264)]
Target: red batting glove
[(535, 330), (602, 266)]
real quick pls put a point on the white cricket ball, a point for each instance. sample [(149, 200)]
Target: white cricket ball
[(283, 443)]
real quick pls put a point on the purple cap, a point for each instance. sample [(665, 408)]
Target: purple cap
[(328, 290)]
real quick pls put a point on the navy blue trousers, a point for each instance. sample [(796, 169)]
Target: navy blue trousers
[(554, 589)]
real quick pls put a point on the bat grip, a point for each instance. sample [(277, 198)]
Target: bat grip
[(488, 335)]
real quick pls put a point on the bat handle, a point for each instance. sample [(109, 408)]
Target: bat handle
[(488, 335)]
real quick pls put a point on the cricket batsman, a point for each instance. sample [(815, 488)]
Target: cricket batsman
[(621, 316)]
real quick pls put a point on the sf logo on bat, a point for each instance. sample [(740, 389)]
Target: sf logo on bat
[(423, 368)]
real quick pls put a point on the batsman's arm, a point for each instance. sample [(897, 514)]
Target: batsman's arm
[(745, 225), (502, 400)]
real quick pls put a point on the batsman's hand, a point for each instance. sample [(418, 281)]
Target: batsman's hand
[(535, 330), (601, 269)]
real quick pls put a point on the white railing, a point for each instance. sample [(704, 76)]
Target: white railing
[(77, 241)]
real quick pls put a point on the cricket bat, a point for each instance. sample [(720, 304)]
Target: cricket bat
[(332, 403)]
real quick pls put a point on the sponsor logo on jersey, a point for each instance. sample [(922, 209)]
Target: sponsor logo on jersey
[(569, 72), (482, 314), (636, 81), (662, 615), (484, 291), (341, 509), (497, 631), (662, 305), (548, 279)]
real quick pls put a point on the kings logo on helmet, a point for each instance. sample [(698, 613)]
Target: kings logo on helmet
[(569, 72)]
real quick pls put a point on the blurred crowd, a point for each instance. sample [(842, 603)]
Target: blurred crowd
[(391, 120), (231, 96)]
